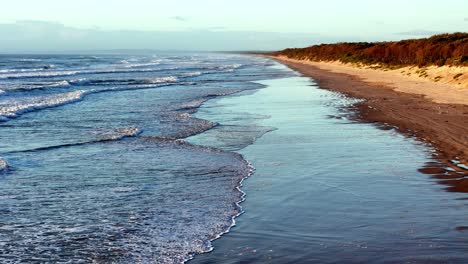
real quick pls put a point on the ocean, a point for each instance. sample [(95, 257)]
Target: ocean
[(95, 167), (151, 158)]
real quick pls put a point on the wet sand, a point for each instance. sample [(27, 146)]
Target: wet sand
[(445, 126)]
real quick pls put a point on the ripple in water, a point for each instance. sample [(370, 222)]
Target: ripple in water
[(110, 178), (122, 206)]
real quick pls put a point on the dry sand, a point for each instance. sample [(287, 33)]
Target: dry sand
[(445, 84), (436, 112)]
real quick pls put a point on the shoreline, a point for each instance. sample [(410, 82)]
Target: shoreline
[(439, 124), (319, 169)]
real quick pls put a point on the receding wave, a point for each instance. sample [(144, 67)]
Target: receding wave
[(191, 106)]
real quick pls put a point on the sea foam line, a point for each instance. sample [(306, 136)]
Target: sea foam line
[(41, 72), (250, 172), (12, 111), (112, 135), (26, 105)]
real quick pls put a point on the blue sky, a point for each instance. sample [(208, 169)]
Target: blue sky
[(77, 24)]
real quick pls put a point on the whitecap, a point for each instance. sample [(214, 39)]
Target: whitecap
[(13, 107), (163, 79), (32, 74), (145, 64), (192, 74), (3, 164), (120, 133), (59, 83), (29, 60)]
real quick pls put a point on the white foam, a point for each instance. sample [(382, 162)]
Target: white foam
[(192, 74), (120, 133), (24, 60), (133, 82), (60, 83), (37, 74), (3, 164), (12, 108), (136, 65), (163, 79), (21, 70)]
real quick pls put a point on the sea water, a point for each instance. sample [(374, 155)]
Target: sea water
[(110, 159), (94, 166)]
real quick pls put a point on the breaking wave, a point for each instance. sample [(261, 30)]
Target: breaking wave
[(35, 74), (82, 82), (14, 107), (3, 165), (101, 136)]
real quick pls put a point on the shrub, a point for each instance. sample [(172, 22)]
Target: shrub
[(443, 49)]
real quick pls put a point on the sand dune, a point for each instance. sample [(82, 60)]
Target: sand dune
[(440, 84)]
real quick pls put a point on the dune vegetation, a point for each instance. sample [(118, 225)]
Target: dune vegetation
[(444, 49)]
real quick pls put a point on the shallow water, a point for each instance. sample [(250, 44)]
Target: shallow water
[(330, 190)]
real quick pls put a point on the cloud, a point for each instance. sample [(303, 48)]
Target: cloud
[(419, 32), (466, 19), (180, 18)]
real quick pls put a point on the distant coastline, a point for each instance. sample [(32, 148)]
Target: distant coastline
[(427, 100)]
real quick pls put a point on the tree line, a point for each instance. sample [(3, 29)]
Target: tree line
[(443, 49)]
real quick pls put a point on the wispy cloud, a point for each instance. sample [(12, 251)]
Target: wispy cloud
[(179, 18), (466, 19), (418, 32)]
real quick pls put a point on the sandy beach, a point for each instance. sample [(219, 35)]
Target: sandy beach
[(328, 189), (436, 112)]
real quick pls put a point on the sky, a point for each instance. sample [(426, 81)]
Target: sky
[(32, 25)]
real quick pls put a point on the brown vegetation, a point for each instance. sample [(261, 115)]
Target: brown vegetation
[(444, 49)]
